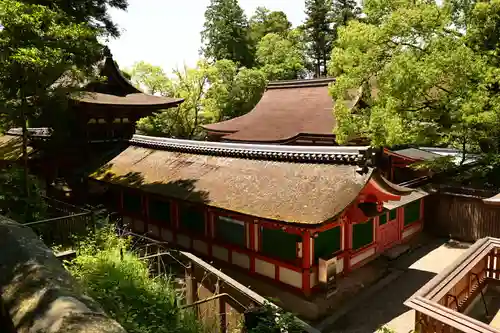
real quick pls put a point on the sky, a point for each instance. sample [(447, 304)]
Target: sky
[(166, 33)]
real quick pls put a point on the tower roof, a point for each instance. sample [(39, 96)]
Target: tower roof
[(118, 91)]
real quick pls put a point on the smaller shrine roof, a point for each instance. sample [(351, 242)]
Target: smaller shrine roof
[(415, 195), (432, 153), (303, 185), (287, 110)]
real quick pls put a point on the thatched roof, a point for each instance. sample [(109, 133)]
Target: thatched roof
[(294, 191), (11, 148)]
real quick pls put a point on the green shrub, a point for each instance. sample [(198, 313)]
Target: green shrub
[(116, 278)]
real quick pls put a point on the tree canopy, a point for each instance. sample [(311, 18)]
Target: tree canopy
[(319, 30), (211, 93), (91, 12), (430, 74), (265, 22), (39, 45), (226, 34), (280, 58), (151, 78)]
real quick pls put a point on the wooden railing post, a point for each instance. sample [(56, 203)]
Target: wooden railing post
[(221, 309), (191, 284)]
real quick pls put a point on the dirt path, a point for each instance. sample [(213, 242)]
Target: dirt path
[(382, 304)]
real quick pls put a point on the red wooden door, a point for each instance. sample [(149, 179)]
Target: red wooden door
[(388, 232)]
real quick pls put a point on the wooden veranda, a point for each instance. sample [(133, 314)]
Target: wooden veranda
[(442, 305)]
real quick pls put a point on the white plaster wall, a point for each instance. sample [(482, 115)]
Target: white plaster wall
[(240, 259), (200, 246), (220, 253), (138, 226), (153, 230), (410, 231), (340, 265), (265, 268), (313, 278), (167, 235), (290, 277), (184, 241), (362, 256)]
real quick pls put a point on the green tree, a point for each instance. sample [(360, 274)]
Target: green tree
[(13, 201), (226, 34), (265, 22), (211, 93), (232, 92), (182, 121), (151, 78), (342, 12), (37, 45), (279, 58), (434, 68), (90, 12), (320, 33)]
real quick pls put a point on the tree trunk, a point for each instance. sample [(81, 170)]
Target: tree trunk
[(25, 153)]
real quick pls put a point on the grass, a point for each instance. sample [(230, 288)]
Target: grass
[(115, 277)]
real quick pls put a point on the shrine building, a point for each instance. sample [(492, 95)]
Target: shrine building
[(283, 203), (298, 216)]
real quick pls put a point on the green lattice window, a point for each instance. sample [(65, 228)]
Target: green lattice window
[(393, 214), (382, 219), (279, 244), (159, 210), (192, 219), (132, 203), (362, 234), (327, 242), (230, 231), (412, 212)]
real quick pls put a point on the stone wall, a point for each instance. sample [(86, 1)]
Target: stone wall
[(37, 293)]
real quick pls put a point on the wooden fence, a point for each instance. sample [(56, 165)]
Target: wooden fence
[(461, 216)]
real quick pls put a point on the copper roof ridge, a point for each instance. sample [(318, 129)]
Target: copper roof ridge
[(362, 155), (308, 83)]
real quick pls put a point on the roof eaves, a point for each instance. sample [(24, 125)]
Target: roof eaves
[(309, 154)]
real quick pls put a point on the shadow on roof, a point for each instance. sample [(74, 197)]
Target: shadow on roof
[(184, 189)]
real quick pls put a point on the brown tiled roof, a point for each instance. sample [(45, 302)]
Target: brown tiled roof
[(287, 109), (289, 191)]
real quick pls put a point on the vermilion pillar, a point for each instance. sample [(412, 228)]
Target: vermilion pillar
[(306, 263)]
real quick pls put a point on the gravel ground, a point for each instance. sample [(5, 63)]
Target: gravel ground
[(383, 304)]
